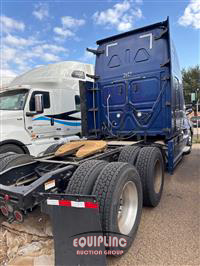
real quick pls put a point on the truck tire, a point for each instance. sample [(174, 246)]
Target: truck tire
[(150, 166), (2, 155), (11, 148), (13, 160), (119, 193), (52, 149), (83, 179), (4, 159), (189, 143), (129, 154)]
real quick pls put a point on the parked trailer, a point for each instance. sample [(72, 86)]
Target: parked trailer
[(135, 105)]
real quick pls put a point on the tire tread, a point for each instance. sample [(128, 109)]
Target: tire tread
[(80, 179), (103, 189), (8, 160), (129, 154), (143, 165)]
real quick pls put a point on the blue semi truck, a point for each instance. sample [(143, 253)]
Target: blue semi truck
[(133, 113)]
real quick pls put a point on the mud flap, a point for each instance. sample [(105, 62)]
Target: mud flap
[(74, 219)]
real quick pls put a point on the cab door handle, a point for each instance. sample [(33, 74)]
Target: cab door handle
[(52, 121)]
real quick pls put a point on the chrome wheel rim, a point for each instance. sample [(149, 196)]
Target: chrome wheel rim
[(128, 208), (157, 177)]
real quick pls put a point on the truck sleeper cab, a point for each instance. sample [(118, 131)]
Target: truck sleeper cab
[(138, 87), (25, 131)]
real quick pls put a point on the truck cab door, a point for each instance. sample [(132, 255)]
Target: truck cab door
[(66, 116), (39, 125)]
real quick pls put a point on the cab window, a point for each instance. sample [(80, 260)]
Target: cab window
[(78, 74), (77, 102), (13, 99)]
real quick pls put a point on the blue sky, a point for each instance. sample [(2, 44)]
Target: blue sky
[(35, 33)]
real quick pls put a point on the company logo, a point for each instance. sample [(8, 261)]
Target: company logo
[(98, 244)]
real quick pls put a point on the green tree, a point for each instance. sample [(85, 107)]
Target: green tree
[(191, 82)]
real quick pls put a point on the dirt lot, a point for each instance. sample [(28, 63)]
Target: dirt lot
[(168, 234), (195, 131)]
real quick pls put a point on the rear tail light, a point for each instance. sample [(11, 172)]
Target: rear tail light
[(18, 216)]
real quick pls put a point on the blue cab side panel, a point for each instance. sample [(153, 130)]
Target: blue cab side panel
[(135, 85), (177, 97)]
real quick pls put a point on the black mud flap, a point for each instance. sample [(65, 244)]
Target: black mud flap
[(75, 221)]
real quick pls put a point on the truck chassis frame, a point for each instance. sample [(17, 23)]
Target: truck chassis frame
[(47, 168)]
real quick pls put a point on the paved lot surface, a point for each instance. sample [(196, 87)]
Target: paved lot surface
[(170, 233)]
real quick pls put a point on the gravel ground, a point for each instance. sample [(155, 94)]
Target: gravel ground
[(170, 233)]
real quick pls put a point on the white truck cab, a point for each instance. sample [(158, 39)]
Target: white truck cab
[(28, 128)]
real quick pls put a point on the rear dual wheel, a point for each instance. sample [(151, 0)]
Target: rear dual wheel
[(118, 190), (119, 193), (150, 166)]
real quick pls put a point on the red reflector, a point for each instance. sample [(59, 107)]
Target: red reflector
[(6, 197), (65, 203), (4, 210), (91, 205), (73, 204)]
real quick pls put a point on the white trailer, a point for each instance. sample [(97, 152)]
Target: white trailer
[(22, 128)]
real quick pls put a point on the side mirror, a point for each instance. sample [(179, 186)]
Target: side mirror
[(39, 107)]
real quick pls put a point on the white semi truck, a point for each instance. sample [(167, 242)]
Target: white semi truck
[(22, 128)]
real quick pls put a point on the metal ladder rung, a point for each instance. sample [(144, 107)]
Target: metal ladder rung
[(94, 130), (93, 89), (93, 110)]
